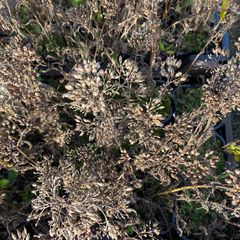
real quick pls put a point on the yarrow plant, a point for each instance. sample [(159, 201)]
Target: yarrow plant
[(83, 121)]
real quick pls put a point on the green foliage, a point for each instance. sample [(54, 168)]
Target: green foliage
[(223, 176), (98, 17), (234, 149), (12, 176), (28, 21), (194, 41), (183, 5), (166, 103), (24, 14), (56, 40), (26, 195), (49, 45), (77, 3), (10, 180), (166, 48), (194, 215), (189, 100), (130, 230), (224, 8), (34, 28), (66, 4), (4, 183), (73, 154), (16, 188)]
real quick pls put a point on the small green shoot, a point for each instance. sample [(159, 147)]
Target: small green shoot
[(224, 8), (169, 49), (10, 180), (77, 3), (234, 149), (130, 230), (98, 17), (4, 183)]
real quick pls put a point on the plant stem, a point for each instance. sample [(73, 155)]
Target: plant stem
[(184, 188)]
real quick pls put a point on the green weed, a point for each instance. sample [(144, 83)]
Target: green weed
[(194, 215), (189, 100), (194, 42), (9, 180)]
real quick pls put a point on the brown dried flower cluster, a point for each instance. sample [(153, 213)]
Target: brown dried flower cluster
[(222, 93), (97, 197), (26, 108)]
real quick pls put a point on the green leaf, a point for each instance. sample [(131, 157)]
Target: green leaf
[(224, 8), (77, 2), (237, 157), (170, 52), (26, 195), (178, 9), (12, 176), (34, 28), (24, 14), (181, 7), (114, 57), (130, 230), (4, 183), (223, 176), (187, 3), (161, 46), (99, 17), (230, 148)]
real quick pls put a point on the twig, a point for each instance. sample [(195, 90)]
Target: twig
[(183, 189)]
